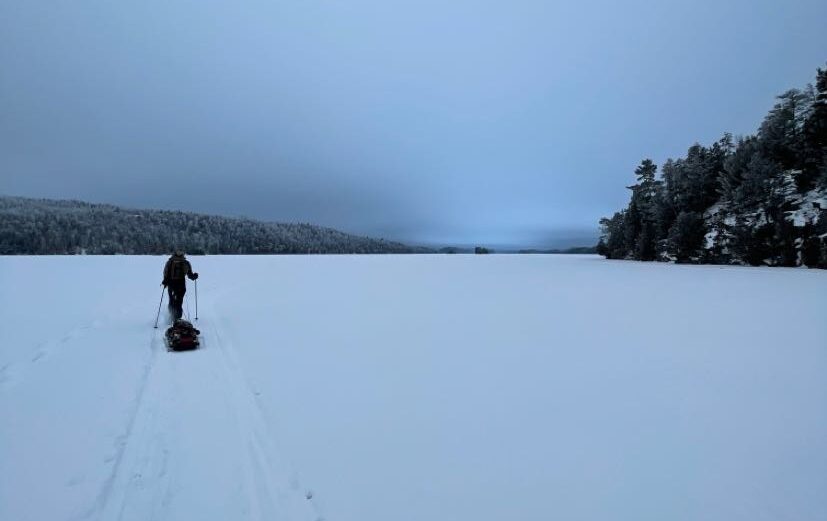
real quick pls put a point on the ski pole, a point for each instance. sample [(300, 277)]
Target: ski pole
[(159, 308), (196, 299)]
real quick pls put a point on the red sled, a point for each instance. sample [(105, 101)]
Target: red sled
[(182, 336)]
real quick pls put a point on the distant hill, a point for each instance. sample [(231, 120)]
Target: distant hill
[(576, 250), (44, 227), (455, 249)]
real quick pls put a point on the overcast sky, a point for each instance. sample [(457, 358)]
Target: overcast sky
[(513, 122)]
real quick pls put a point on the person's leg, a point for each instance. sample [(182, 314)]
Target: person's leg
[(180, 289)]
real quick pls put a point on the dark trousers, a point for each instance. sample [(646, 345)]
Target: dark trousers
[(176, 290)]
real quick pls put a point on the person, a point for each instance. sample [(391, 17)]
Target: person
[(175, 271)]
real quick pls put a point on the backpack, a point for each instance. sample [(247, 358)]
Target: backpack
[(178, 269)]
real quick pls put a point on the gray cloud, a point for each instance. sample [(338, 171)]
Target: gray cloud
[(462, 122)]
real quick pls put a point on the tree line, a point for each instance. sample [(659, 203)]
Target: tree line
[(46, 227), (759, 199)]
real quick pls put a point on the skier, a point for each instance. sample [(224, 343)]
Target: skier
[(176, 268)]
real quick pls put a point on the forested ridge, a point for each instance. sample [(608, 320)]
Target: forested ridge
[(759, 199), (45, 227)]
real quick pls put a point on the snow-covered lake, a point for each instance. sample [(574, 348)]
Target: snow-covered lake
[(368, 388)]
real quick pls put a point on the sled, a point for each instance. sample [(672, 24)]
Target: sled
[(182, 336)]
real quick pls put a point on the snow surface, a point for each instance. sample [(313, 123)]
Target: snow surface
[(362, 388)]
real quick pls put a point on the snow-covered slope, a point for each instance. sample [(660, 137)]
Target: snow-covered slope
[(361, 388)]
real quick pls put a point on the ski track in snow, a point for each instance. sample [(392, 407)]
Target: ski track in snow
[(158, 454), (264, 456), (104, 502)]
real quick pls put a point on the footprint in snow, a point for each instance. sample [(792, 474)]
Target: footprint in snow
[(77, 480)]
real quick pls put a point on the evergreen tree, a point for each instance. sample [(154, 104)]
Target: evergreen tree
[(782, 132), (686, 237), (815, 136), (613, 236), (643, 208)]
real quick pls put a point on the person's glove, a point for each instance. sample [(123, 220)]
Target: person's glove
[(194, 276)]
